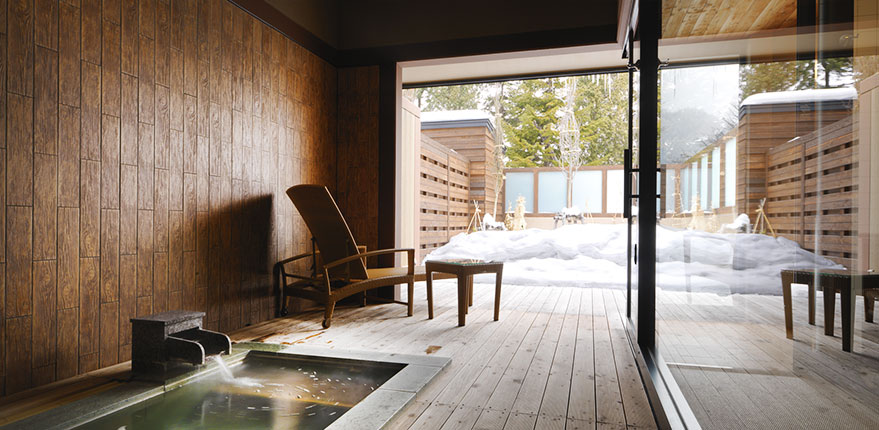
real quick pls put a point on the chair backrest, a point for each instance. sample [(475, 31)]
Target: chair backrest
[(328, 227)]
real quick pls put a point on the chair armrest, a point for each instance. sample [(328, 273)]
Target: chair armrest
[(410, 253), (279, 266), (292, 259)]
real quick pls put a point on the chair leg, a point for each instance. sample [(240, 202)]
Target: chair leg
[(328, 314), (363, 299), (283, 311), (410, 293), (869, 297)]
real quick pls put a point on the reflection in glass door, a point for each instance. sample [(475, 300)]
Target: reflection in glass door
[(766, 141)]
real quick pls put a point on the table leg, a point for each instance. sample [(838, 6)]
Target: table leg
[(786, 279), (869, 298), (470, 290), (497, 294), (829, 306), (462, 300), (812, 302), (848, 317), (429, 279)]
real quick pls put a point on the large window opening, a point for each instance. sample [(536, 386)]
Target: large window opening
[(529, 172)]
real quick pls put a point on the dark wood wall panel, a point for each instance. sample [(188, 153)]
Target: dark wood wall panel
[(357, 175), (145, 148)]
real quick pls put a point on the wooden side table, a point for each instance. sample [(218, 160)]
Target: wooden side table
[(464, 270), (850, 284)]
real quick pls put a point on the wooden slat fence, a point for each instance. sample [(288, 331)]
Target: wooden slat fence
[(444, 191), (812, 191)]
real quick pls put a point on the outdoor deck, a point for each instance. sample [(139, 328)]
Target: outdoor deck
[(558, 357), (751, 376)]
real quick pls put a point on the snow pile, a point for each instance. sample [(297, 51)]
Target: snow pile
[(572, 211), (594, 255), (739, 225)]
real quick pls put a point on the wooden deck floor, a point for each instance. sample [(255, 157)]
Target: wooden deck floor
[(748, 375), (558, 358)]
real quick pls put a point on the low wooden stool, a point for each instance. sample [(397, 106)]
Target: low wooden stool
[(464, 271), (849, 283)]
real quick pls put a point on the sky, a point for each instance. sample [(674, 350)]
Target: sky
[(712, 89)]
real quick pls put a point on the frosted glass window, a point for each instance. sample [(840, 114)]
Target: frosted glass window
[(715, 177), (519, 184), (658, 192), (705, 191), (730, 174), (694, 184), (552, 192), (588, 187), (685, 189), (615, 191), (670, 178)]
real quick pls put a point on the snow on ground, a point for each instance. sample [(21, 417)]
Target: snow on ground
[(594, 255)]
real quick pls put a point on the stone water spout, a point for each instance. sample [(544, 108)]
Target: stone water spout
[(160, 339)]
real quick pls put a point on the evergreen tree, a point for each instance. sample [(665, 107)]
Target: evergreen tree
[(452, 97), (794, 75), (530, 116), (603, 111)]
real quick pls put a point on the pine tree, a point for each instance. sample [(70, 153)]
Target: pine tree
[(529, 123), (452, 97), (794, 75)]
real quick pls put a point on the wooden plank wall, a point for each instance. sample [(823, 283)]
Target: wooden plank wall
[(812, 191), (760, 132), (146, 147), (444, 189), (357, 164)]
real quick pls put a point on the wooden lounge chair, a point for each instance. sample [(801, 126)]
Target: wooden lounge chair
[(338, 265)]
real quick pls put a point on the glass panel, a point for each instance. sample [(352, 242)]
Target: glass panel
[(587, 191), (519, 184), (770, 109), (704, 190), (615, 191), (694, 186), (715, 177), (551, 192), (685, 188), (730, 173), (672, 177)]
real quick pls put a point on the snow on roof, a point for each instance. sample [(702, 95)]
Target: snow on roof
[(801, 96), (454, 115)]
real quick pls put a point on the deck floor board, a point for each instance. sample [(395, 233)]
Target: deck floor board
[(730, 356), (535, 368)]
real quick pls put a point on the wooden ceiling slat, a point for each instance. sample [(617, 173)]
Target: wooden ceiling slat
[(743, 16), (696, 9), (722, 15), (773, 14), (685, 18), (701, 25), (675, 17)]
